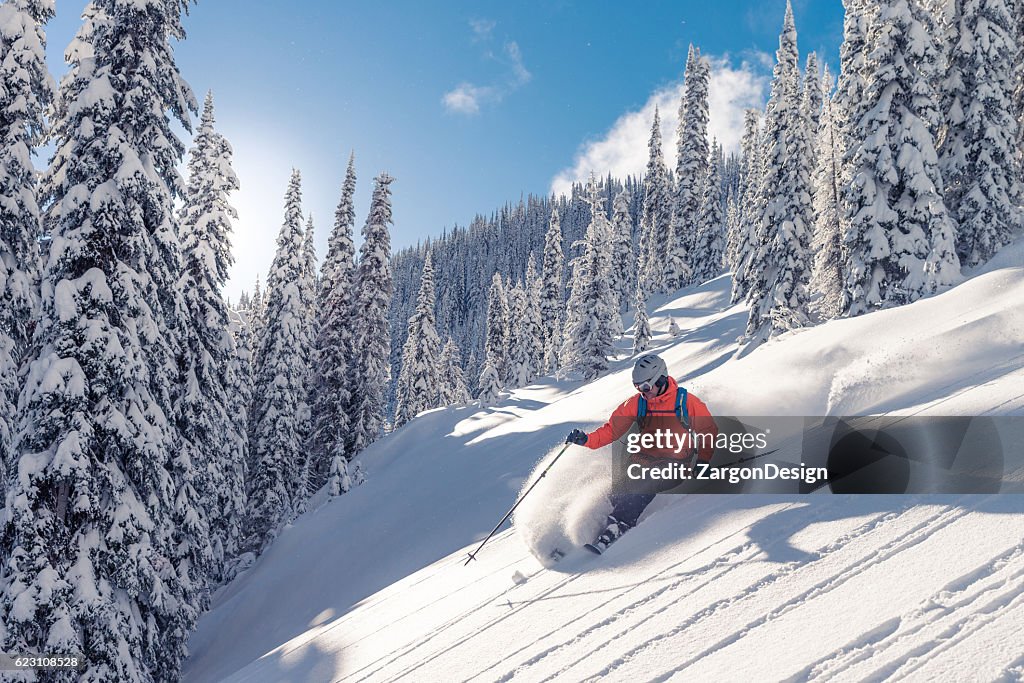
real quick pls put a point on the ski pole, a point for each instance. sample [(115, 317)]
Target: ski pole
[(472, 555)]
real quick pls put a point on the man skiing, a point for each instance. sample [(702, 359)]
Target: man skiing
[(658, 394)]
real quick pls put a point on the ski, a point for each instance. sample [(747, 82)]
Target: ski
[(612, 533)]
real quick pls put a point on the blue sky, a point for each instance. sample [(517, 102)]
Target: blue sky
[(467, 104)]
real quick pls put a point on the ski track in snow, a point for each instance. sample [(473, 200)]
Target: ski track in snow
[(587, 634), (962, 608), (916, 533)]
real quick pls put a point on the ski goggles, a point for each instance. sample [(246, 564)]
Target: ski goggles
[(644, 387)]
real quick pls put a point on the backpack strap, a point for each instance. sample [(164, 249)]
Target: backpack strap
[(682, 412), (641, 411)]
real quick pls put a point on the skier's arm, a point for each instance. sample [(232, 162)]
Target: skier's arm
[(702, 423), (617, 425)]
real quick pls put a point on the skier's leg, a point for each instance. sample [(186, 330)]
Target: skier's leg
[(627, 507)]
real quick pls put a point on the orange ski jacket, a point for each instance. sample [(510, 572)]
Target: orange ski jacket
[(701, 422)]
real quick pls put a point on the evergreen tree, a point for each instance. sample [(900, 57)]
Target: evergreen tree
[(533, 333), (308, 289), (849, 103), (691, 170), (212, 471), (310, 283), (811, 102), (452, 381), (655, 226), (899, 236), (420, 379), (496, 342), (827, 276), (641, 325), (88, 530), (371, 340), (588, 333), (742, 238), (490, 385), (710, 226), (552, 292), (280, 383), (27, 91), (239, 389), (781, 266), (978, 157), (520, 371), (332, 349), (258, 310), (623, 260)]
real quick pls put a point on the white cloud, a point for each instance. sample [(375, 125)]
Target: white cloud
[(464, 99), (520, 76), (482, 28), (622, 150), (467, 98)]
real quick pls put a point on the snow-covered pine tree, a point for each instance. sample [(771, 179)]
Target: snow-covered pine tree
[(641, 325), (742, 238), (977, 157), (209, 418), (490, 385), (278, 444), (496, 341), (781, 266), (811, 101), (732, 227), (239, 390), (1018, 83), (827, 276), (656, 224), (519, 362), (308, 289), (849, 104), (27, 89), (90, 565), (691, 171), (710, 226), (898, 235), (552, 292), (452, 380), (420, 379), (330, 390), (534, 328), (371, 341), (310, 282), (258, 310), (623, 275), (589, 329)]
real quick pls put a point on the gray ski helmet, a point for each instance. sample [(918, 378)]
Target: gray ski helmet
[(649, 368)]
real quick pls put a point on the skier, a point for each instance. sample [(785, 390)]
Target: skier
[(657, 394)]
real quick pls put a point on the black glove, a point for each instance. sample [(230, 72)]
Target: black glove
[(577, 436)]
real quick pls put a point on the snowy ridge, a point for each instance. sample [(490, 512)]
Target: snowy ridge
[(371, 586)]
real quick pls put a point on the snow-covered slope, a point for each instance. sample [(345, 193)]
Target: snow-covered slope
[(371, 586)]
